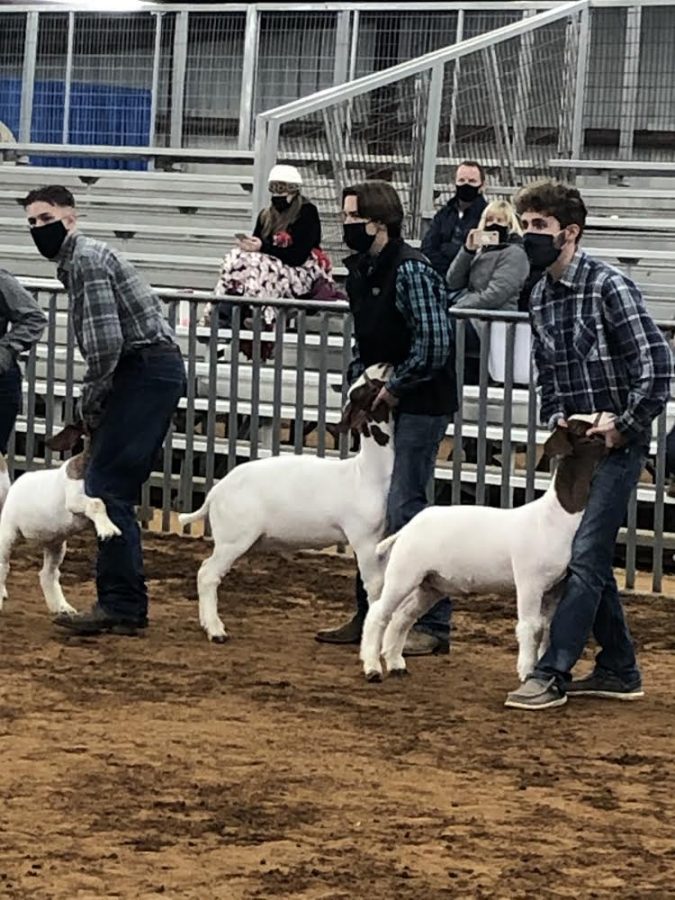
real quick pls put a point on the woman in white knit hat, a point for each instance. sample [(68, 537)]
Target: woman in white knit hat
[(282, 258)]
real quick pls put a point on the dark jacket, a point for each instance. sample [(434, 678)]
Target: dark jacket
[(384, 336), (305, 235), (20, 310), (447, 232)]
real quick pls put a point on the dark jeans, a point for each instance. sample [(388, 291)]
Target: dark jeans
[(416, 441), (10, 403), (146, 389), (590, 600)]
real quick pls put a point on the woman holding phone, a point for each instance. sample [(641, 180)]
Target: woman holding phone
[(488, 272), (283, 256)]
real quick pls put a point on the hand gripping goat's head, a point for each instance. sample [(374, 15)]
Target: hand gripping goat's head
[(580, 454), (361, 414)]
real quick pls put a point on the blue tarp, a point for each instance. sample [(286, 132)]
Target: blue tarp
[(99, 114)]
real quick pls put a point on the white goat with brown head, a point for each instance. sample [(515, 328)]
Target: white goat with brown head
[(481, 550), (48, 506), (304, 502)]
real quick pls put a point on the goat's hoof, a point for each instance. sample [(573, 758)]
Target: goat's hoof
[(373, 676), (399, 673), (219, 638)]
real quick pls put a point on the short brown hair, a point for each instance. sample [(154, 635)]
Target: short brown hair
[(552, 198), (472, 164), (378, 200)]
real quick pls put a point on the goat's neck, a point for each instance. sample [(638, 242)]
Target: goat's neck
[(375, 460), (570, 487)]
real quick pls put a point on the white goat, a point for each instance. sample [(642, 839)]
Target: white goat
[(47, 507), (474, 549), (304, 501)]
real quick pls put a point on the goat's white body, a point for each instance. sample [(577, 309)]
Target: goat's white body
[(470, 550), (296, 501), (47, 507)]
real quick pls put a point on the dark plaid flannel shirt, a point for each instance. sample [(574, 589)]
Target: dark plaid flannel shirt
[(113, 312), (597, 349)]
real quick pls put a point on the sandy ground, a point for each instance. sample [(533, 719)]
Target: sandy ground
[(267, 768)]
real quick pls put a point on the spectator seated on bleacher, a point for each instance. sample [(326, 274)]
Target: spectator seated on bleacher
[(281, 259), (488, 273)]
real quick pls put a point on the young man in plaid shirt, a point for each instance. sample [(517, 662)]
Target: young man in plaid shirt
[(596, 349), (400, 308), (134, 378)]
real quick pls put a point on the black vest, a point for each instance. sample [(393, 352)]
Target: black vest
[(382, 333)]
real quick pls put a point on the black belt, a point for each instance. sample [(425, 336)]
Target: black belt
[(151, 350)]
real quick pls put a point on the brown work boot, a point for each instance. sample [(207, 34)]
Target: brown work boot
[(421, 643), (349, 633)]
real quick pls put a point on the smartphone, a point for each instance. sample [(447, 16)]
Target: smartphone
[(488, 238), (240, 236)]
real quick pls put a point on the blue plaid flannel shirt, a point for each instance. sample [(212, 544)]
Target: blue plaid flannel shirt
[(596, 348), (421, 298)]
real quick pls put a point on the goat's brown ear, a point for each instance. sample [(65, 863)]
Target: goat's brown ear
[(65, 439), (558, 444)]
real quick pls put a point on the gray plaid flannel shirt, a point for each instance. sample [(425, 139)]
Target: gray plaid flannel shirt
[(113, 313)]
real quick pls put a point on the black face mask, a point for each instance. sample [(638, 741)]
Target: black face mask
[(280, 203), (542, 249), (467, 193), (49, 238), (356, 237), (502, 229)]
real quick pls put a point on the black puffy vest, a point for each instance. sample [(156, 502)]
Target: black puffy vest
[(383, 334)]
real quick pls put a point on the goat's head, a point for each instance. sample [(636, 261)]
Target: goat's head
[(359, 414), (66, 439), (580, 454)]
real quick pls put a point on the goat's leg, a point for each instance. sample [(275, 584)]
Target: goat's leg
[(549, 603), (370, 566), (529, 627), (211, 573), (8, 536), (50, 578), (397, 586), (78, 503), (403, 619)]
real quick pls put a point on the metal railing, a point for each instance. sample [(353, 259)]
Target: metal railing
[(512, 98), (171, 75), (238, 408)]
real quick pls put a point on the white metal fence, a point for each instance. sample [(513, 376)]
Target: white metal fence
[(239, 407)]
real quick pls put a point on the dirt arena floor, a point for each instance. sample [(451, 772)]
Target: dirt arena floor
[(163, 766)]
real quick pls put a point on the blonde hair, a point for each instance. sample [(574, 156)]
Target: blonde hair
[(503, 207)]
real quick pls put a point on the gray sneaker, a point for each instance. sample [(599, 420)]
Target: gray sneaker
[(421, 643), (606, 685), (536, 693)]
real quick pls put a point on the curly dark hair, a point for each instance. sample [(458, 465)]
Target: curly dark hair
[(551, 198)]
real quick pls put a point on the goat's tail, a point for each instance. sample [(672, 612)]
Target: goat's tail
[(201, 513), (383, 547)]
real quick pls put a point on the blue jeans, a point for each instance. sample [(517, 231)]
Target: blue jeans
[(416, 441), (146, 389), (10, 403), (590, 601)]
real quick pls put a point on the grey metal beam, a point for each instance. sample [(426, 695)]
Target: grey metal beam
[(431, 132), (341, 60), (523, 83), (68, 78), (180, 45), (580, 83), (631, 70), (28, 77), (248, 72), (154, 90), (459, 37)]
